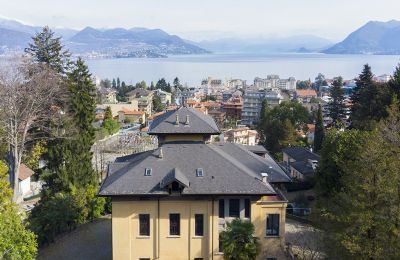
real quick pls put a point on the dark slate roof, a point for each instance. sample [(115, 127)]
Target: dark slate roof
[(300, 154), (254, 148), (199, 123), (228, 169), (254, 162), (175, 175), (303, 167)]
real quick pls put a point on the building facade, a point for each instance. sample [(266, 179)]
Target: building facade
[(171, 203)]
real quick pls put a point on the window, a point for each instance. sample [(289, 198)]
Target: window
[(273, 225), (174, 224), (199, 225), (147, 172), (198, 258), (220, 246), (234, 208), (199, 172), (144, 258), (221, 208), (144, 224), (247, 208)]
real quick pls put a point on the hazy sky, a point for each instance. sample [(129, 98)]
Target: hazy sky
[(205, 19)]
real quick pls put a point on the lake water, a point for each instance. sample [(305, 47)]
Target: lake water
[(192, 69)]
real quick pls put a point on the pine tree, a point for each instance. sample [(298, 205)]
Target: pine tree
[(48, 49), (114, 84), (319, 131), (82, 106), (394, 82), (336, 105)]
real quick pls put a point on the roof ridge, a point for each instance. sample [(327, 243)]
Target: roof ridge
[(258, 157), (239, 165), (200, 115)]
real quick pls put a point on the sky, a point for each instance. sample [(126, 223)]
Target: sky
[(208, 19)]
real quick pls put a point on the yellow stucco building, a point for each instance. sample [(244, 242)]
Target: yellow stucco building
[(172, 202)]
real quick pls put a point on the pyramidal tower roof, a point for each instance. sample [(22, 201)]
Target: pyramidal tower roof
[(183, 120)]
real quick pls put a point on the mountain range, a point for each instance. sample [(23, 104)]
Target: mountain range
[(372, 38), (117, 42)]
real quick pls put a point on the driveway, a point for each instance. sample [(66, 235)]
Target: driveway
[(87, 242)]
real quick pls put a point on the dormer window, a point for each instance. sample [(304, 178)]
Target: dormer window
[(147, 172), (199, 172)]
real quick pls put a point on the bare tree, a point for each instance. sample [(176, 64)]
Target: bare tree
[(27, 103)]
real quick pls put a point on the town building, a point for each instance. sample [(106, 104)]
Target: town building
[(130, 116), (233, 107), (300, 162), (144, 99), (305, 95), (241, 135), (166, 97), (253, 100), (24, 180), (115, 108), (218, 116), (106, 95), (171, 203)]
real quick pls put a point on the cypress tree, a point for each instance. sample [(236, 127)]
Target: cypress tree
[(319, 131), (336, 105)]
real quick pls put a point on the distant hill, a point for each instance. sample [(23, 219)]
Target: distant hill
[(132, 42), (310, 43), (372, 38), (118, 42)]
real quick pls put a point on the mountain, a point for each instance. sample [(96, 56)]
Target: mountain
[(14, 39), (372, 38), (117, 42), (267, 45), (133, 42)]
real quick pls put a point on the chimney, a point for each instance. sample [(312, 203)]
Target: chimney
[(264, 177), (187, 120), (176, 120), (160, 155)]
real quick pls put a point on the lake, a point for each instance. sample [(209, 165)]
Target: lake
[(191, 69)]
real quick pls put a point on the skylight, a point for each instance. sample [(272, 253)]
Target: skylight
[(199, 172), (147, 172)]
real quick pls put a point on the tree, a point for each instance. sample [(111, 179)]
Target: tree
[(369, 100), (394, 82), (114, 84), (48, 49), (28, 93), (319, 131), (118, 82), (68, 196), (320, 81), (176, 84), (157, 105), (303, 84), (109, 123), (16, 242), (279, 125), (357, 185), (106, 83), (238, 241), (336, 106)]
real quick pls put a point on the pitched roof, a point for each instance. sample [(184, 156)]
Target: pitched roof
[(175, 175), (131, 112), (300, 154), (254, 148), (228, 169), (198, 123), (306, 92), (303, 167), (24, 172)]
